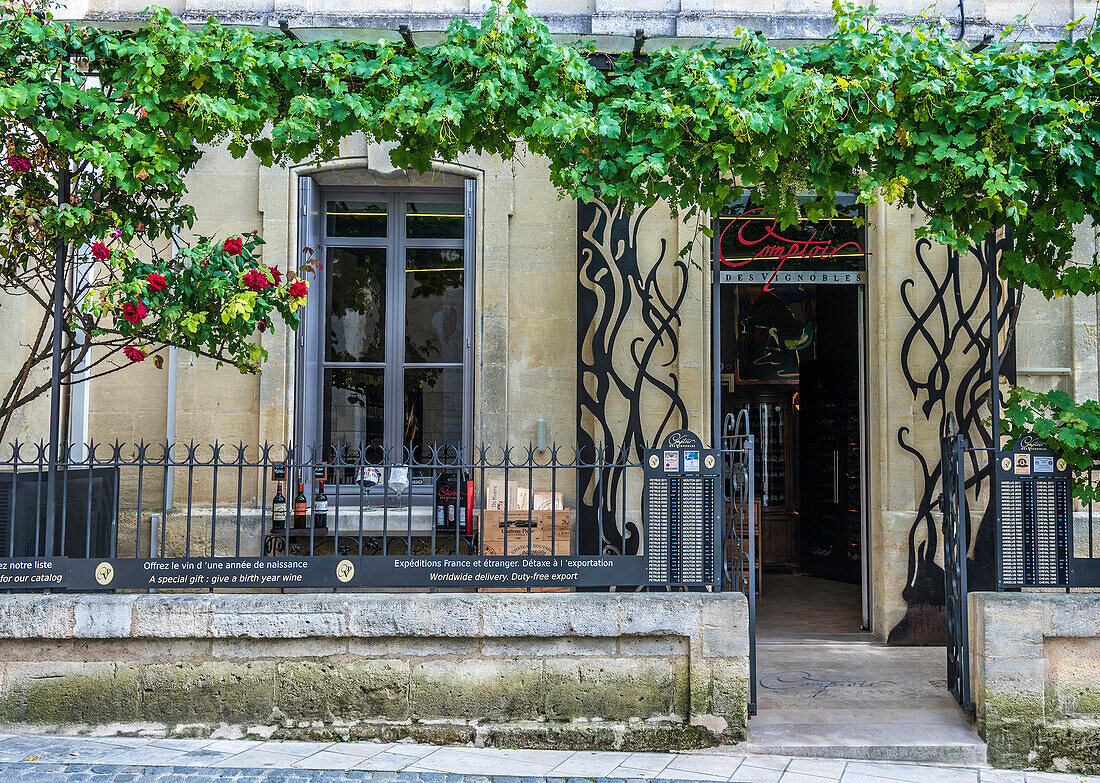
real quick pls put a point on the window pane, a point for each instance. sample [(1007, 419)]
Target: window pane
[(356, 305), (434, 220), (354, 401), (433, 410), (433, 305), (356, 219)]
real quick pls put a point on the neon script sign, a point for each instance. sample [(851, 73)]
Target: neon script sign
[(757, 239)]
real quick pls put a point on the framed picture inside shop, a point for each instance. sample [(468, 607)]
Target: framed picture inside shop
[(776, 331)]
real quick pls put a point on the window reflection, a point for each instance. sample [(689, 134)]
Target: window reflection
[(433, 410), (353, 413), (434, 305), (356, 219), (434, 220), (356, 305)]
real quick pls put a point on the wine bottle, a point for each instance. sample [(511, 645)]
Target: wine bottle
[(320, 506), (446, 495), (301, 507), (278, 509)]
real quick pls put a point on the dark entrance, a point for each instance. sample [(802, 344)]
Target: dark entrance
[(791, 361), (789, 331)]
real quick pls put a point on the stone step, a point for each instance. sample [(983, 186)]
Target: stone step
[(892, 742)]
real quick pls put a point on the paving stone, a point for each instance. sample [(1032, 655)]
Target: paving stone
[(755, 769)]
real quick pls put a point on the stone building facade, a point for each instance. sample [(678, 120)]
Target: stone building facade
[(522, 359), (525, 248)]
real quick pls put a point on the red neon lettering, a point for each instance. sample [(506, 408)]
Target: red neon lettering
[(772, 244)]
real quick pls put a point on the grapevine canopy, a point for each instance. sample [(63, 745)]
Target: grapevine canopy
[(1004, 135)]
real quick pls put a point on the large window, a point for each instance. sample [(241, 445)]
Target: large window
[(389, 337)]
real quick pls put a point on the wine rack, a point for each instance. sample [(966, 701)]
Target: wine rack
[(831, 521)]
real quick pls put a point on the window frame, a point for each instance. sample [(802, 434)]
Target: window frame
[(313, 339)]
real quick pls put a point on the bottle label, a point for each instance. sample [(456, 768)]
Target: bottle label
[(279, 511), (320, 507), (300, 508)]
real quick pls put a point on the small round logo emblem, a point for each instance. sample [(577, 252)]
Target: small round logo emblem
[(1061, 464), (1006, 464), (345, 570), (709, 461), (104, 573), (654, 461)]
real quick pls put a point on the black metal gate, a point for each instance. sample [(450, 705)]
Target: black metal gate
[(956, 541), (739, 523)]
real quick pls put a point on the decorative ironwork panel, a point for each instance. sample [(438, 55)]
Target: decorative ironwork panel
[(628, 391), (955, 322)]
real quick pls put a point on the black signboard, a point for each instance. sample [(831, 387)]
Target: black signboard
[(1035, 513), (753, 248), (503, 571), (679, 511), (213, 572), (32, 573), (128, 573)]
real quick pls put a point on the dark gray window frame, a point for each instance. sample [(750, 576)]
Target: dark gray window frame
[(310, 357)]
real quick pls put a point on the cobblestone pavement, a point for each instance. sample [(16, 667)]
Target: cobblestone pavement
[(42, 759)]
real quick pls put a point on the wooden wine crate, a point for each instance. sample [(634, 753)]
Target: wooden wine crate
[(529, 533)]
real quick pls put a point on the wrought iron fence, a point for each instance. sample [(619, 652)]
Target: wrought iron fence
[(1044, 539), (1084, 542), (739, 544), (1051, 545), (956, 544), (156, 516)]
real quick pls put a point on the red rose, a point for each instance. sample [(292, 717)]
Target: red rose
[(261, 325), (101, 252), (19, 163), (234, 246), (256, 280), (274, 270), (298, 289), (134, 354), (156, 281), (134, 312)]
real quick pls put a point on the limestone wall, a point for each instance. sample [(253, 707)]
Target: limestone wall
[(1035, 663), (581, 670)]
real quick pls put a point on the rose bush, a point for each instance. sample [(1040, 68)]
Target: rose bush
[(211, 298)]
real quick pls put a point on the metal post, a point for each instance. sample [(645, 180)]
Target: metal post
[(962, 538), (994, 348), (750, 496), (994, 389), (55, 380)]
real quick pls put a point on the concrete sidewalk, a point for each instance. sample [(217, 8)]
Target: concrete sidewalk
[(119, 759)]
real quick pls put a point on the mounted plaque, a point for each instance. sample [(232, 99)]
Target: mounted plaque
[(1034, 514), (679, 510)]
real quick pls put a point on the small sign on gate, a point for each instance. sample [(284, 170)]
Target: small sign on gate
[(679, 511), (1034, 514)]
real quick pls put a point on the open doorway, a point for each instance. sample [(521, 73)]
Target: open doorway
[(791, 360)]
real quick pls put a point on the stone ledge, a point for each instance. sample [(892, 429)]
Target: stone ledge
[(717, 619), (547, 670)]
